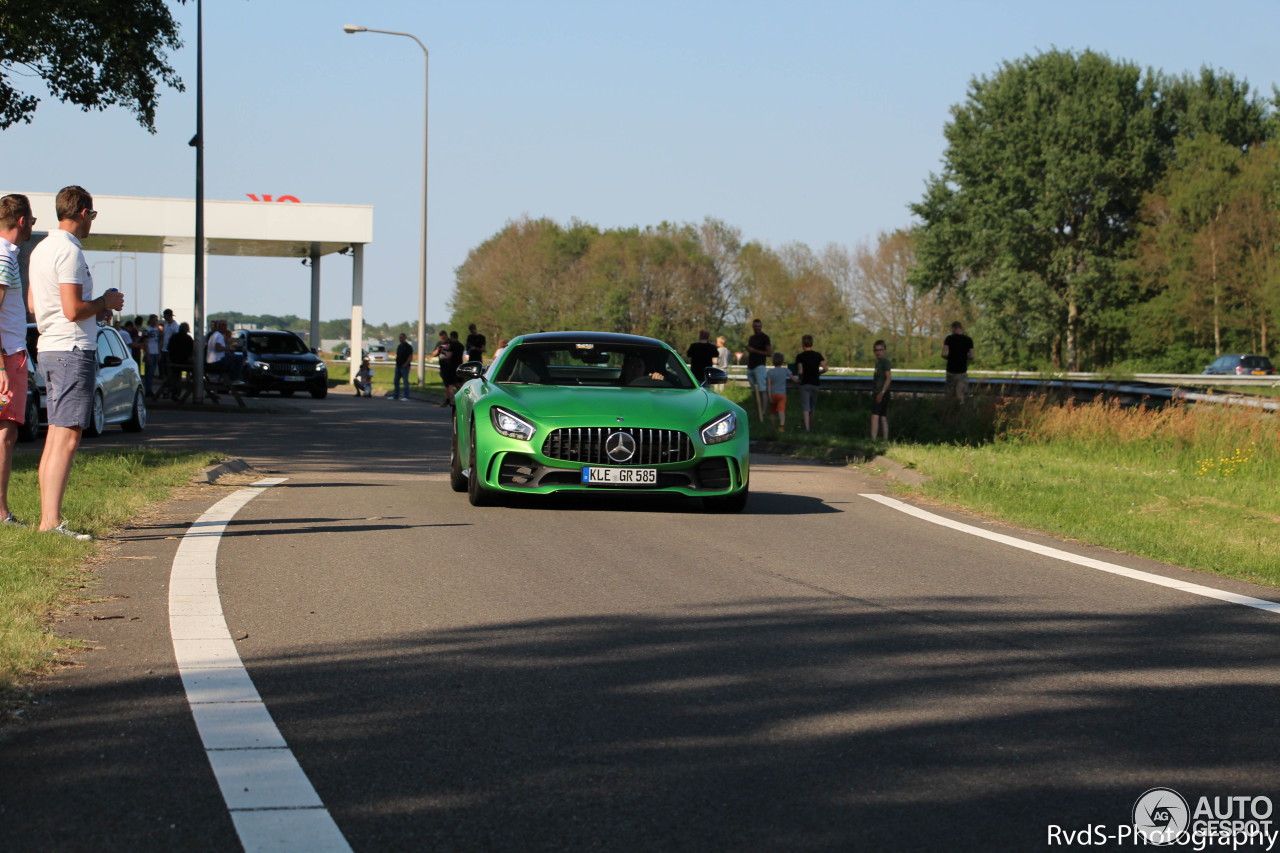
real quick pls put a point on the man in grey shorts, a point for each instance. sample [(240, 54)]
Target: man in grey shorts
[(60, 297)]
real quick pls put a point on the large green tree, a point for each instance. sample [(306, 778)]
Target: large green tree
[(90, 53), (1046, 166)]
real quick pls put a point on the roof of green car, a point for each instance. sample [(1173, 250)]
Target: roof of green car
[(588, 337)]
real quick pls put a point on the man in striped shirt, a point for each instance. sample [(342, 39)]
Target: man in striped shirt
[(15, 229)]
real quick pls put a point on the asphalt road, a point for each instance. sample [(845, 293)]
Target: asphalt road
[(820, 672)]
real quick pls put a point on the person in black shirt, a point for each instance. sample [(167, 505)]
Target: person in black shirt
[(759, 350), (957, 350), (701, 354), (475, 344), (443, 353), (181, 348), (810, 365), (404, 356)]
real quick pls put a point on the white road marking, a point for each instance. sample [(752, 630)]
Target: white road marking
[(1088, 562), (272, 803)]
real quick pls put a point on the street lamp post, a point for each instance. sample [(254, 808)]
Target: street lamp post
[(351, 29)]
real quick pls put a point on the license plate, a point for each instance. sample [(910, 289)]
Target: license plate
[(619, 476), (293, 379)]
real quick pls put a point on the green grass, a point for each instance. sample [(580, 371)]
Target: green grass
[(384, 377), (39, 572), (1190, 485)]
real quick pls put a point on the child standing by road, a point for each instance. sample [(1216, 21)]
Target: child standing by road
[(777, 377)]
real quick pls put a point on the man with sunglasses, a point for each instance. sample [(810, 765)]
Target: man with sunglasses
[(61, 298)]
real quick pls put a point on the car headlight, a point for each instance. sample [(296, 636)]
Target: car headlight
[(262, 365), (510, 424), (721, 429), (320, 368)]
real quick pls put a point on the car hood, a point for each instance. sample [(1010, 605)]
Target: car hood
[(661, 408), (300, 358)]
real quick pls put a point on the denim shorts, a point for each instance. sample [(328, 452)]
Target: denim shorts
[(757, 379), (69, 379)]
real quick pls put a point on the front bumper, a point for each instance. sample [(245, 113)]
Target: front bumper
[(514, 466)]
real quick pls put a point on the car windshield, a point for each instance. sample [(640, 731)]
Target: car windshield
[(594, 364), (276, 345)]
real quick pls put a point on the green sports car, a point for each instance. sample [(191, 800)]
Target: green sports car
[(596, 412)]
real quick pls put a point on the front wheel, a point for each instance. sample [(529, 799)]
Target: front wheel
[(457, 479), (98, 422), (476, 492), (319, 392)]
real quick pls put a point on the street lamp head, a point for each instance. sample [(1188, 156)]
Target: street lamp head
[(353, 28)]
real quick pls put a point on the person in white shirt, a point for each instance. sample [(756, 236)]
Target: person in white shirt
[(61, 297), (16, 222), (168, 329)]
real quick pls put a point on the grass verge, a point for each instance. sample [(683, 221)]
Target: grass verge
[(1192, 485), (39, 572)]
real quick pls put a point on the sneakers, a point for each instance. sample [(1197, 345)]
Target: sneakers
[(63, 530), (11, 520)]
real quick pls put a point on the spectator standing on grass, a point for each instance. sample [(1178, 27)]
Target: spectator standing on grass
[(759, 349), (777, 378), (880, 391), (404, 357), (701, 354), (61, 297), (16, 222), (722, 359), (810, 365), (957, 350), (475, 344)]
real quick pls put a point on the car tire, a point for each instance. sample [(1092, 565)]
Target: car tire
[(320, 392), (476, 492), (138, 418), (98, 421), (457, 479), (31, 430), (736, 502)]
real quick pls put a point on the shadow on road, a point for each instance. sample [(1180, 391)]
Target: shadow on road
[(788, 724)]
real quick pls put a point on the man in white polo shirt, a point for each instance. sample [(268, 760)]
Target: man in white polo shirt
[(61, 297), (15, 228)]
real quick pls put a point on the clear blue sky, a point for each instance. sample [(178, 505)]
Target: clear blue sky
[(805, 121)]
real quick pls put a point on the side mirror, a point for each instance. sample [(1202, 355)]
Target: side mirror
[(470, 370), (716, 376), (112, 361)]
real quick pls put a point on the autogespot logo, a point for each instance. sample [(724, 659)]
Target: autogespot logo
[(1160, 816)]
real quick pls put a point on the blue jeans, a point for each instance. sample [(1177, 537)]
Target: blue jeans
[(402, 373)]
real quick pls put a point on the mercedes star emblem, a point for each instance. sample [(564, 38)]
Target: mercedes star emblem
[(620, 446)]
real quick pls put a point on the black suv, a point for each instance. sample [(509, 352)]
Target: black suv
[(279, 361)]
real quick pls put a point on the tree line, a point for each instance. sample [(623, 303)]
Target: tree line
[(1088, 215)]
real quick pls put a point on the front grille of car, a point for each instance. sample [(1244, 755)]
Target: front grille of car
[(586, 446), (288, 368)]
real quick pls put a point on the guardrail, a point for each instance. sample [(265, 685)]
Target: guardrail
[(1081, 386)]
